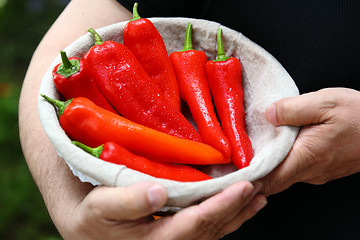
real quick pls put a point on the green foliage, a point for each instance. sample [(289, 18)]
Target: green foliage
[(22, 25), (21, 28)]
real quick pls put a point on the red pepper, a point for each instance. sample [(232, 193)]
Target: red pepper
[(225, 80), (189, 66), (112, 152), (87, 123), (72, 80), (124, 82), (145, 42)]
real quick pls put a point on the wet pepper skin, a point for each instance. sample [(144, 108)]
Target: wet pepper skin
[(85, 122), (114, 153), (145, 42), (225, 80), (123, 81), (79, 83), (189, 66)]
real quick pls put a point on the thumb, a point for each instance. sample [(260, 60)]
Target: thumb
[(125, 203), (309, 108)]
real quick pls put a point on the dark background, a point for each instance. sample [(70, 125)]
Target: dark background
[(22, 25), (330, 211)]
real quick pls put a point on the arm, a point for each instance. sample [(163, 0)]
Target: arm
[(81, 211), (327, 146), (48, 170)]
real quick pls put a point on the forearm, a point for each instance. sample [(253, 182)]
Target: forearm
[(59, 188)]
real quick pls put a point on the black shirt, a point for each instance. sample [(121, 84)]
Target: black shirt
[(318, 43)]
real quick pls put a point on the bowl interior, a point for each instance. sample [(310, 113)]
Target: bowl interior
[(264, 81)]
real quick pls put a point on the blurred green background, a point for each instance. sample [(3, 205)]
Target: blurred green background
[(22, 25)]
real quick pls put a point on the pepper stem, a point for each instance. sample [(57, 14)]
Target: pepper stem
[(61, 105), (97, 37), (188, 42), (136, 15), (220, 48), (67, 67), (96, 152), (65, 60)]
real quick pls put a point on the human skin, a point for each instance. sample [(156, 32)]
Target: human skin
[(81, 211), (327, 146)]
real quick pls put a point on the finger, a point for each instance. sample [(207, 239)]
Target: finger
[(288, 172), (301, 110), (258, 203), (125, 203), (208, 218), (241, 201)]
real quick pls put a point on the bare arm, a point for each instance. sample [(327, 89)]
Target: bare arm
[(48, 170)]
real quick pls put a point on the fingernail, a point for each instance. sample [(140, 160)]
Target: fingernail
[(260, 203), (157, 196), (270, 114)]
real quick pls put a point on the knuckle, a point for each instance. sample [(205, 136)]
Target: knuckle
[(284, 109), (206, 222), (272, 185), (319, 181), (218, 234), (94, 210), (213, 227), (328, 101)]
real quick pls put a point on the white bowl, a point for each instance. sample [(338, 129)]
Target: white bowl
[(264, 81)]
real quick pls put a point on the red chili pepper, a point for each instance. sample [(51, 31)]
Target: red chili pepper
[(87, 123), (112, 152), (124, 82), (145, 42), (189, 66), (71, 79), (225, 80)]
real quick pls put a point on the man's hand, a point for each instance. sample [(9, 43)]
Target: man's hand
[(123, 213), (328, 145)]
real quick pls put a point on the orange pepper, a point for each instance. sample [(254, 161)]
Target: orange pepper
[(91, 125)]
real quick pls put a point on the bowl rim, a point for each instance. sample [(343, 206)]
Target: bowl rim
[(180, 194)]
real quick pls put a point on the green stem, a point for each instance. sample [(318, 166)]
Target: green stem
[(57, 103), (65, 60), (67, 67), (97, 37), (136, 15), (96, 152), (188, 42), (220, 48)]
